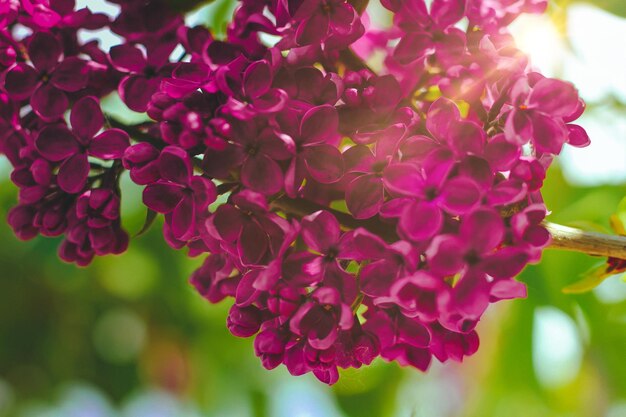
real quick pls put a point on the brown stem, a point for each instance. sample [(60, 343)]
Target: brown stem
[(591, 243), (563, 237)]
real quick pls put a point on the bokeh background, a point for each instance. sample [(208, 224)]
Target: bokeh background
[(129, 337)]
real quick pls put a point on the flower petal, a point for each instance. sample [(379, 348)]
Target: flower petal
[(86, 117), (136, 91), (109, 144), (73, 173), (175, 165), (460, 195), (184, 218), (262, 174), (482, 230), (44, 51), (364, 196), (56, 143), (404, 179), (20, 81), (325, 163), (127, 58), (49, 102), (420, 221), (319, 124), (71, 75), (257, 79), (320, 231), (162, 197)]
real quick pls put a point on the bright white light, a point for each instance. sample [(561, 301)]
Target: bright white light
[(557, 348), (537, 37)]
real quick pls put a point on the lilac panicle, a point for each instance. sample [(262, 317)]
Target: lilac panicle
[(358, 192)]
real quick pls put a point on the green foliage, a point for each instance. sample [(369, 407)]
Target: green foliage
[(616, 7)]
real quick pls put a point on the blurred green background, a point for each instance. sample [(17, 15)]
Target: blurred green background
[(129, 337)]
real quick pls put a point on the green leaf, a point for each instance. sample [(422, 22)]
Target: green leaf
[(616, 7), (591, 280), (359, 5), (151, 216)]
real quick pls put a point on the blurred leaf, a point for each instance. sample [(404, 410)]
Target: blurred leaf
[(617, 7), (218, 15), (618, 220), (151, 216), (591, 280), (359, 5)]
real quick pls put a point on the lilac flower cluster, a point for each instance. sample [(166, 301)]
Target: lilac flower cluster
[(367, 207)]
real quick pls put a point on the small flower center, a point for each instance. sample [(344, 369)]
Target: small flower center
[(430, 193), (471, 258), (331, 254), (378, 167), (252, 150)]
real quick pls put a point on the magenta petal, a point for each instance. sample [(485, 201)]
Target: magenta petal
[(518, 127), (44, 16), (482, 230), (320, 231), (404, 179), (162, 197), (183, 218), (313, 29), (49, 102), (445, 255), (262, 174), (44, 51), (420, 221), (271, 102), (411, 47), (506, 263), (554, 97), (227, 222), (204, 191), (109, 144), (73, 173), (507, 192), (466, 138), (136, 91), (441, 115), (549, 134), (86, 117), (175, 165), (257, 79), (20, 81), (506, 289), (364, 196), (501, 154), (70, 75), (127, 58), (319, 124), (325, 163), (447, 12), (56, 143), (252, 244), (577, 136), (460, 195)]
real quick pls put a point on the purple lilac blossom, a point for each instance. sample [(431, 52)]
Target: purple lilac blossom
[(350, 207)]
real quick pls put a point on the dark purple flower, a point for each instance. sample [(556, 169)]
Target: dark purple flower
[(73, 147), (321, 317), (179, 194), (48, 79)]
